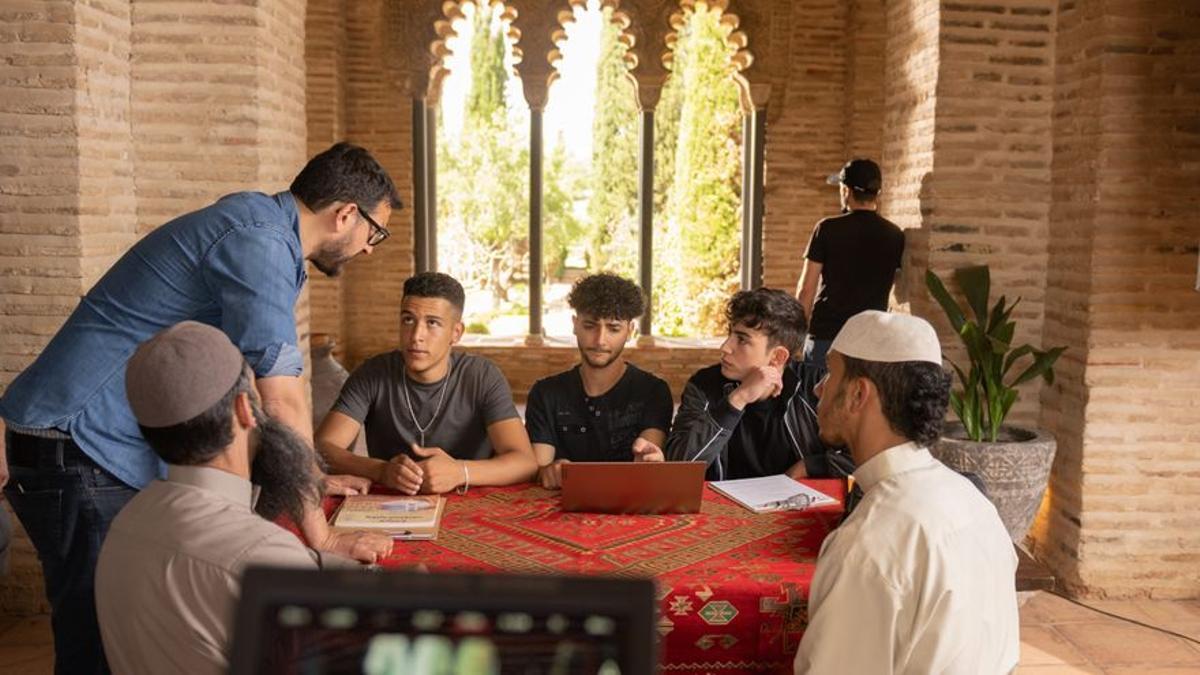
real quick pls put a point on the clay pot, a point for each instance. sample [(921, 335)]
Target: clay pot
[(1015, 469)]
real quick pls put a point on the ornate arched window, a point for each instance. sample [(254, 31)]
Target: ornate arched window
[(597, 175)]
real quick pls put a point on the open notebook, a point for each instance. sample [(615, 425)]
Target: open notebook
[(771, 493)]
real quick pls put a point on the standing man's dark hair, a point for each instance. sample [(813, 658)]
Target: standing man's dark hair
[(852, 259), (862, 177), (345, 173)]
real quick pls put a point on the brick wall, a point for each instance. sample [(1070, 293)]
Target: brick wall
[(866, 49), (910, 78), (992, 150), (324, 54), (107, 205), (967, 153), (1076, 153), (40, 243), (378, 117), (193, 101), (807, 142), (1141, 527), (1122, 518), (60, 206)]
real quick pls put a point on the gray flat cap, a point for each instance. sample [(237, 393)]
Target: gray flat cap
[(179, 373)]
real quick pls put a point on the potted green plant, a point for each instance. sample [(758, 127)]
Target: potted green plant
[(1013, 463)]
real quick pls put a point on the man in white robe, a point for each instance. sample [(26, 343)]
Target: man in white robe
[(920, 577)]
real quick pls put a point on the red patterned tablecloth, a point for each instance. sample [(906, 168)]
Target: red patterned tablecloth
[(732, 585)]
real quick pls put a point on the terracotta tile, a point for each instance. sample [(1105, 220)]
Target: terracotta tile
[(1188, 628), (1171, 610), (1031, 612), (1059, 670), (1117, 643), (30, 631), (1129, 609), (1049, 608), (1152, 670), (26, 660), (1043, 646)]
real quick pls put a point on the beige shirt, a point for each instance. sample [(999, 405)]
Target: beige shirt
[(169, 572), (918, 580)]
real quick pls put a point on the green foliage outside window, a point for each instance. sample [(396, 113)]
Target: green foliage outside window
[(483, 184)]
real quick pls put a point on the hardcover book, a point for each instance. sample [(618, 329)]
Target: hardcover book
[(403, 517)]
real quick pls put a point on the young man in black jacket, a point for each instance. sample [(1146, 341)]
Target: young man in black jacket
[(753, 414)]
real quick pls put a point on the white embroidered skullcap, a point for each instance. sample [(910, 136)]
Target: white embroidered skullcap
[(885, 337)]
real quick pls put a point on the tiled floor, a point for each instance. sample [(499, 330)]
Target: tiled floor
[(1060, 637), (26, 646), (1057, 638)]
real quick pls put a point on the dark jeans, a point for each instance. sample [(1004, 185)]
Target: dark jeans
[(66, 503), (5, 539)]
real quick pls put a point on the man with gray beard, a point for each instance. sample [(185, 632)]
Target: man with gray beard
[(169, 572)]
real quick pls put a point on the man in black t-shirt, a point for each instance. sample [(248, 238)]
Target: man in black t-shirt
[(853, 258), (604, 409)]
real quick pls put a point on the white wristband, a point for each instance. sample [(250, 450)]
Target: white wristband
[(462, 490)]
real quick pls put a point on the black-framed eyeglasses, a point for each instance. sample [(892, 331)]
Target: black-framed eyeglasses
[(378, 232)]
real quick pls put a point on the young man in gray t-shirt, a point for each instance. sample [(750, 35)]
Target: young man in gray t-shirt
[(435, 421)]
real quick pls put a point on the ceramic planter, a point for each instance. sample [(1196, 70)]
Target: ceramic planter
[(1015, 469)]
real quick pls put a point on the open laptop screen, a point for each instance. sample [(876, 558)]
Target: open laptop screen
[(313, 623)]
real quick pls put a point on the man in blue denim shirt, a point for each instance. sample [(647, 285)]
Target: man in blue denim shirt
[(74, 450)]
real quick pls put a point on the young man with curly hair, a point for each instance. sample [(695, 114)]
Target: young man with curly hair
[(753, 414), (605, 409), (920, 577)]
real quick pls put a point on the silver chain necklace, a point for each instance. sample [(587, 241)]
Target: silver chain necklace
[(411, 413)]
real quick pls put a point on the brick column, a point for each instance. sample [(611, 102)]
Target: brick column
[(866, 35), (217, 98), (909, 83), (379, 118), (1121, 515), (325, 89), (66, 191), (806, 133), (967, 150)]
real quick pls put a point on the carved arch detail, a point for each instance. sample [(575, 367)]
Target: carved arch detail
[(649, 29)]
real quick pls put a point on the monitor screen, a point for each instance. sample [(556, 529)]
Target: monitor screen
[(314, 623)]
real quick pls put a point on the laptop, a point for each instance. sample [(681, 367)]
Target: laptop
[(633, 487), (319, 622)]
